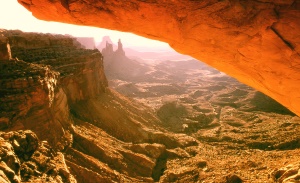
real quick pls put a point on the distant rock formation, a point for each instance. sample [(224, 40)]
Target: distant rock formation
[(117, 65), (108, 50), (120, 50), (102, 44), (87, 42)]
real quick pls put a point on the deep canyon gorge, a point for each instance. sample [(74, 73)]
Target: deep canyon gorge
[(61, 94), (61, 122)]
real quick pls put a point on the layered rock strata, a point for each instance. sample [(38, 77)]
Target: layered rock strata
[(31, 97), (28, 93), (60, 92), (256, 42)]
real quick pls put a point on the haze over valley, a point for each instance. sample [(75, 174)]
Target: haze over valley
[(73, 110)]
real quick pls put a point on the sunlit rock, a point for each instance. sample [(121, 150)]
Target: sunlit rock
[(256, 42), (5, 53)]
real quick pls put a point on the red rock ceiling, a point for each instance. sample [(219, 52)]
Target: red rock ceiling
[(255, 41)]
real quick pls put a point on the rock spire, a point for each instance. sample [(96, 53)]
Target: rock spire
[(5, 53), (120, 50)]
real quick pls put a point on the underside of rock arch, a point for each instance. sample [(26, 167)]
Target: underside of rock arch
[(255, 41)]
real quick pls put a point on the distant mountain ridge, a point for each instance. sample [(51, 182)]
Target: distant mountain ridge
[(134, 53), (117, 65)]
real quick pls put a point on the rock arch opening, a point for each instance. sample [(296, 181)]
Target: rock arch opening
[(256, 42), (100, 136)]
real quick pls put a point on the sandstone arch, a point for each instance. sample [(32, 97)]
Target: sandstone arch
[(255, 41)]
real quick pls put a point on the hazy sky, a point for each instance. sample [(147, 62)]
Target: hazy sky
[(15, 16)]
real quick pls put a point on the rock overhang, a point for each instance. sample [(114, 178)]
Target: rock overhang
[(256, 42)]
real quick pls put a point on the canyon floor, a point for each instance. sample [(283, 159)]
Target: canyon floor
[(244, 136), (70, 114)]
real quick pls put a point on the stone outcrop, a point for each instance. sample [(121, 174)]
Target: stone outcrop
[(120, 50), (5, 53), (31, 94), (117, 65), (289, 173), (103, 43), (108, 49), (256, 42), (25, 87), (25, 159), (233, 179)]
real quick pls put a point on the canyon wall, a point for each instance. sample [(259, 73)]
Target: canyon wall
[(58, 90), (32, 96), (256, 42)]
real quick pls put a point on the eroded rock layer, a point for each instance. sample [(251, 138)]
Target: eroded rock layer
[(256, 42), (59, 91)]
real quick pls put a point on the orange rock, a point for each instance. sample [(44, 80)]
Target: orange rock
[(256, 42)]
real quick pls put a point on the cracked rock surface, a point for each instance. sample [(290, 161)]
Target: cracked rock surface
[(25, 159)]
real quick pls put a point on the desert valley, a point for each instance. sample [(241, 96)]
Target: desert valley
[(71, 114)]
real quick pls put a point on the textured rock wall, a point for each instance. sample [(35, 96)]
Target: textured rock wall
[(25, 159), (60, 92), (256, 42), (38, 97), (81, 70), (32, 40), (30, 99)]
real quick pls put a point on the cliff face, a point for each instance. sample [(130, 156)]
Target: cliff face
[(59, 91), (33, 96), (28, 93), (256, 42)]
